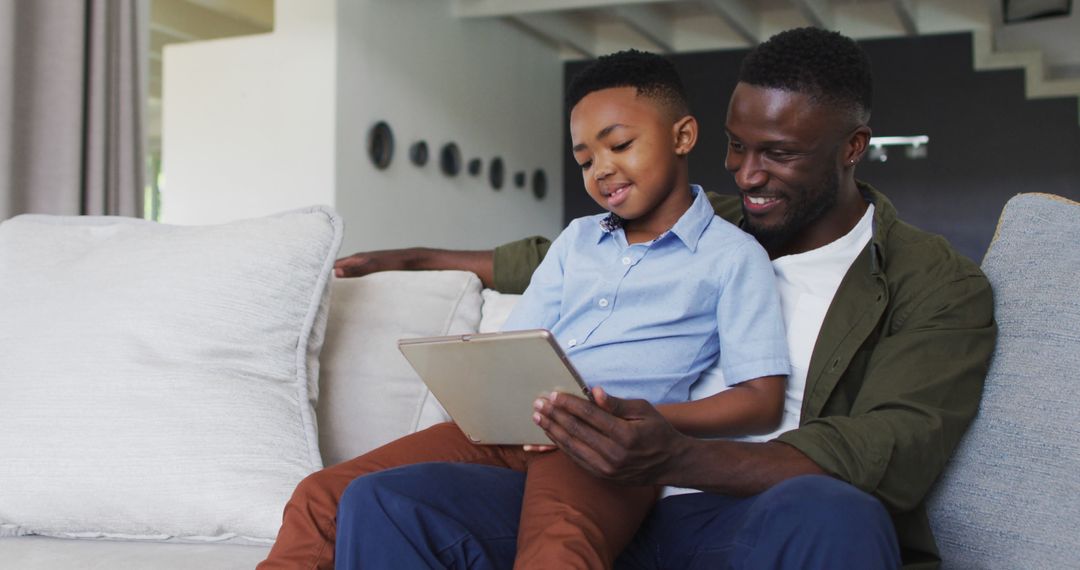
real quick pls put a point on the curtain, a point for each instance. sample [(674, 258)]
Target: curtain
[(72, 84)]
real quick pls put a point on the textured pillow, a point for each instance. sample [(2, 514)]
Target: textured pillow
[(370, 394), (158, 382), (1009, 496), (496, 309)]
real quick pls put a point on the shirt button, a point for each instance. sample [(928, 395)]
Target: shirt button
[(603, 302), (572, 343), (626, 261)]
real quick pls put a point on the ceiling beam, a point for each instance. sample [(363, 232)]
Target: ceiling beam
[(187, 21), (740, 16), (905, 10), (561, 30), (817, 12), (495, 8), (650, 23)]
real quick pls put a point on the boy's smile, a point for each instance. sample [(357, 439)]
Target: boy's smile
[(632, 156)]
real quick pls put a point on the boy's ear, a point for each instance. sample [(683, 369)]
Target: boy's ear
[(685, 132)]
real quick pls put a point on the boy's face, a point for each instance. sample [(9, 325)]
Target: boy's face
[(629, 153)]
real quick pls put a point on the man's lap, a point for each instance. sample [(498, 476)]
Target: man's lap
[(800, 522)]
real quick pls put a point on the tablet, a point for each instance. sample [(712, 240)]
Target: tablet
[(488, 382)]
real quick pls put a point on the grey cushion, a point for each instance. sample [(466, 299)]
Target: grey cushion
[(1010, 498)]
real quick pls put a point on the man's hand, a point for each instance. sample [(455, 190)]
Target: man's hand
[(417, 259), (367, 262), (627, 441)]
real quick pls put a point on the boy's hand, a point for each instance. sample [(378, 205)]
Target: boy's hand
[(539, 448)]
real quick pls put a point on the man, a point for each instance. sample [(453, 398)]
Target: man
[(892, 329)]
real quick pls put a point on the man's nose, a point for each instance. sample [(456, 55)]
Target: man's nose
[(747, 170)]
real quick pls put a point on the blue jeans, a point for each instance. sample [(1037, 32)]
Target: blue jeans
[(441, 515)]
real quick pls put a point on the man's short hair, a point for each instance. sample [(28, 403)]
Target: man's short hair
[(652, 75), (829, 67)]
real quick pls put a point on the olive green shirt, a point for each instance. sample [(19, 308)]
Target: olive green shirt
[(897, 371)]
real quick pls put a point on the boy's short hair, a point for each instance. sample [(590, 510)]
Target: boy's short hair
[(652, 75), (829, 67)]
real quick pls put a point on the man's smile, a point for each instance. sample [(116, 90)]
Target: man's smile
[(757, 204)]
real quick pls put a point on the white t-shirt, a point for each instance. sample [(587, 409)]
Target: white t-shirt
[(807, 283)]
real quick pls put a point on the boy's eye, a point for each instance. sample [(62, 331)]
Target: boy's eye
[(585, 165), (623, 146)]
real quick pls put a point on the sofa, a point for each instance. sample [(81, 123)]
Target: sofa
[(1007, 500)]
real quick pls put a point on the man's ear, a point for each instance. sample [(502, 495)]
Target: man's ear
[(856, 144), (685, 132)]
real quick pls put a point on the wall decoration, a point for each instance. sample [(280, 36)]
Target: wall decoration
[(418, 153), (519, 179), (380, 145), (496, 173), (539, 184), (475, 166), (450, 159)]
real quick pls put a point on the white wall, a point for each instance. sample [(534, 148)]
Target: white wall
[(1058, 38), (480, 83), (248, 123)]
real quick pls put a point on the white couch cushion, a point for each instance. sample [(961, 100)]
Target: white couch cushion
[(157, 381), (370, 394)]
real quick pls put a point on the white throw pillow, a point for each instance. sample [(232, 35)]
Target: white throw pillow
[(370, 394), (158, 382), (497, 307)]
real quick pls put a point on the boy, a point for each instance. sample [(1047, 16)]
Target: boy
[(605, 291)]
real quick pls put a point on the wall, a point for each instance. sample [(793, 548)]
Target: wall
[(248, 123), (1057, 37), (431, 76), (987, 142)]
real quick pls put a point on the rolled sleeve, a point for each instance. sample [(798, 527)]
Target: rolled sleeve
[(515, 262)]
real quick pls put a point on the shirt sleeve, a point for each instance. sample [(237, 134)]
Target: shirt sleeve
[(515, 262), (539, 307), (753, 340), (921, 390)]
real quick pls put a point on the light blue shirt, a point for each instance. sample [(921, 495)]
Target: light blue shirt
[(644, 320)]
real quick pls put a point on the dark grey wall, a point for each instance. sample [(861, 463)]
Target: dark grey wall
[(987, 142)]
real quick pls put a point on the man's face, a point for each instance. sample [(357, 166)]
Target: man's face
[(625, 146), (784, 152)]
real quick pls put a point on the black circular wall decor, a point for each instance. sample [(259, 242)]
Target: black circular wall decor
[(450, 159), (475, 166), (539, 184), (519, 179), (495, 173), (380, 145), (418, 153)]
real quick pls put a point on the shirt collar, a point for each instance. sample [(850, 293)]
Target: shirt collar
[(688, 228)]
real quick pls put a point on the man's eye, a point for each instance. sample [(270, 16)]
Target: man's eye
[(585, 165), (735, 146), (777, 154)]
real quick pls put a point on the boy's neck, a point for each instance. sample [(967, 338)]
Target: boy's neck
[(661, 218)]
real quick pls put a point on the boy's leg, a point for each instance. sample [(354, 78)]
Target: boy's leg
[(571, 519), (809, 522), (308, 526)]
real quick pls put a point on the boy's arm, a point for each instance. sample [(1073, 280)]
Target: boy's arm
[(752, 407), (506, 269)]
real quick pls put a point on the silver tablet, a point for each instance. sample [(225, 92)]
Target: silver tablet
[(488, 382)]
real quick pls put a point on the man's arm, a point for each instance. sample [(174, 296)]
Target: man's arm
[(417, 259), (920, 392), (507, 268), (629, 441)]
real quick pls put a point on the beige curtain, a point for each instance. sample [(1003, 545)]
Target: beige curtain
[(71, 106)]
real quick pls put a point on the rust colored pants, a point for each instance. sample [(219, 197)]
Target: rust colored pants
[(569, 519)]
